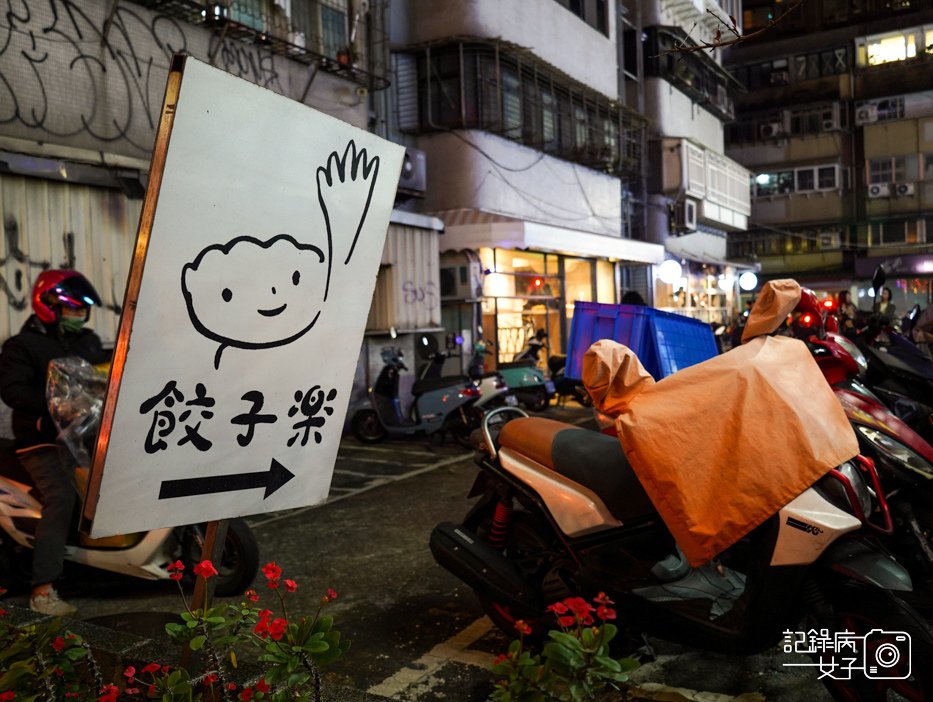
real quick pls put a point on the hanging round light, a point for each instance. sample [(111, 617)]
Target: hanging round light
[(670, 271), (748, 281), (726, 282)]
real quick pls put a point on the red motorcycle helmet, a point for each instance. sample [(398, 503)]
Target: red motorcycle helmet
[(808, 316), (54, 289)]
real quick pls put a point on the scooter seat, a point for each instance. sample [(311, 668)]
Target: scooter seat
[(528, 363), (422, 386), (589, 458)]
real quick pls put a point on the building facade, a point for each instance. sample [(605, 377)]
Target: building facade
[(837, 129), (531, 157), (697, 197)]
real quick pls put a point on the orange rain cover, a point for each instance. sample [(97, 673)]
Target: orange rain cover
[(723, 445)]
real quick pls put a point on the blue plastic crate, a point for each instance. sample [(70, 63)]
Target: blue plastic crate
[(592, 321), (678, 342)]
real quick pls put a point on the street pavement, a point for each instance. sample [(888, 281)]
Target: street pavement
[(417, 633)]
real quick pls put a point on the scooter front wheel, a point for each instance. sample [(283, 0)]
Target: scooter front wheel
[(538, 401), (367, 428)]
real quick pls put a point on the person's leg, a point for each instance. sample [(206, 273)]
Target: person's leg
[(58, 503)]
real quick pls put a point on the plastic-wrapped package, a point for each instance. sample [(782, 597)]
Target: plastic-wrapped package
[(75, 391)]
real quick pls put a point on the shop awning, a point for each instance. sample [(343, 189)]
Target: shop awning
[(702, 247), (518, 234)]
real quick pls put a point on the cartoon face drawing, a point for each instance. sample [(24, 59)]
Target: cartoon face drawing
[(255, 294)]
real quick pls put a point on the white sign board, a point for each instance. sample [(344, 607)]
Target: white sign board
[(259, 245)]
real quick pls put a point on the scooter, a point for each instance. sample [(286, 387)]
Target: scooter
[(561, 513), (144, 555), (495, 389), (526, 380), (441, 404)]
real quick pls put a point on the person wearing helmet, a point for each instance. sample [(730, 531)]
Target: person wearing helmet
[(61, 303)]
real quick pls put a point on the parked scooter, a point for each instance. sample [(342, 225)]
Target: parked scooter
[(561, 513), (144, 555), (495, 389), (904, 459), (564, 387), (440, 404), (525, 379)]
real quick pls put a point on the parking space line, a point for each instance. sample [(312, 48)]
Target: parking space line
[(376, 483), (433, 660)]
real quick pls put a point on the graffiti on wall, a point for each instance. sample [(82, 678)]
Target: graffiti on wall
[(58, 78)]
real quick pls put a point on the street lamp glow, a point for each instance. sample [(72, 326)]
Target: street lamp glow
[(670, 272), (748, 281), (726, 282)]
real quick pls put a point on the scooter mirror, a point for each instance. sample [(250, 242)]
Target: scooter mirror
[(914, 311)]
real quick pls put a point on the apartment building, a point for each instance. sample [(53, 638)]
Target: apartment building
[(532, 156), (697, 195), (836, 127)]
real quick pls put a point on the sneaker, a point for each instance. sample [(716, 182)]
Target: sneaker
[(48, 602)]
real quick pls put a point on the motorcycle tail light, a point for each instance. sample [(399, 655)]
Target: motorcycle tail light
[(860, 497), (500, 383), (471, 391)]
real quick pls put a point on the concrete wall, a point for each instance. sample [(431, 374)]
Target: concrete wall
[(517, 181), (676, 115), (59, 85), (541, 26)]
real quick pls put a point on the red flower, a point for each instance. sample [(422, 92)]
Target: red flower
[(205, 569), (246, 695), (2, 592), (522, 627), (4, 696), (110, 693), (151, 668), (272, 571), (277, 628), (211, 678), (152, 691), (567, 622), (262, 628), (59, 672), (332, 594), (580, 607), (175, 570), (130, 672), (558, 608), (501, 657), (165, 670), (291, 586), (131, 690), (265, 614), (59, 643), (605, 613), (2, 612), (251, 594), (261, 686), (603, 599)]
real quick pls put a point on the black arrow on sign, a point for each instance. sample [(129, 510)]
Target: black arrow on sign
[(271, 480)]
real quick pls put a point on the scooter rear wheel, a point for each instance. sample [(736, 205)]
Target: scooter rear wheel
[(366, 427), (538, 402)]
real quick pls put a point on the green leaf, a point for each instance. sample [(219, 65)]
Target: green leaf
[(292, 664), (298, 679), (275, 674), (609, 664), (323, 624), (196, 643), (567, 640), (609, 632), (75, 653), (628, 664), (561, 654), (176, 630), (316, 646)]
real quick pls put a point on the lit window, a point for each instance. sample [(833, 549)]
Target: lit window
[(887, 50)]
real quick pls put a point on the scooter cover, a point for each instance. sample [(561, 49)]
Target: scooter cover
[(723, 445)]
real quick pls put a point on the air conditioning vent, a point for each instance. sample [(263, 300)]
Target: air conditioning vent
[(771, 130), (876, 190), (829, 240), (904, 189), (685, 216), (413, 179), (866, 114), (831, 121), (461, 282)]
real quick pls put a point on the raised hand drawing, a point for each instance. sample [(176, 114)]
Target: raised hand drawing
[(255, 294)]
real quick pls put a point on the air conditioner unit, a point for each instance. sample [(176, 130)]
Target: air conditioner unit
[(829, 241), (685, 216), (866, 114), (461, 282), (831, 119), (904, 189), (879, 190), (414, 179), (771, 130)]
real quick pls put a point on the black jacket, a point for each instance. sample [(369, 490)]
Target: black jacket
[(24, 364)]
